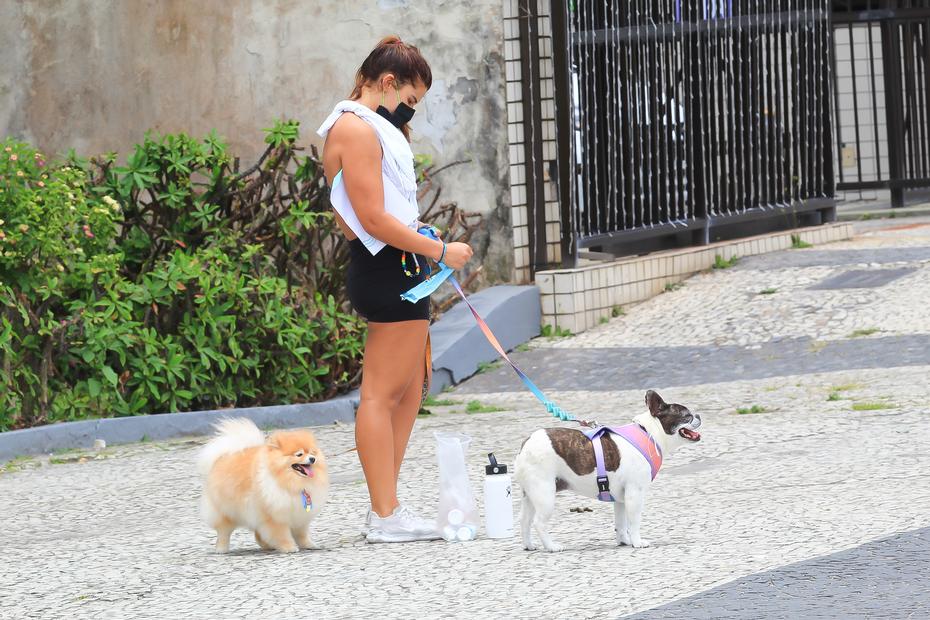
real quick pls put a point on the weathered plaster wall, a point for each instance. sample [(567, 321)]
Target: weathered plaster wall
[(95, 74)]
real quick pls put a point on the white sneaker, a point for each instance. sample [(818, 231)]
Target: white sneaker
[(401, 526)]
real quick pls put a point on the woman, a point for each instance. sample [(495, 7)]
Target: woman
[(369, 166)]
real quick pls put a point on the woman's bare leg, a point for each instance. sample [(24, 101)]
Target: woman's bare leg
[(405, 415), (393, 357)]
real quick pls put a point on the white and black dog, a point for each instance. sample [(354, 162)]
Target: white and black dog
[(557, 459)]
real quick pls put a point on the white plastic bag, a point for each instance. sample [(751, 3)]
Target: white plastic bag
[(458, 511)]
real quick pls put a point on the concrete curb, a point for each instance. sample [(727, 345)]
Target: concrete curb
[(459, 347), (80, 435), (865, 213)]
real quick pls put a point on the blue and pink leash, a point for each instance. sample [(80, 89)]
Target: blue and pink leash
[(425, 288), (636, 435)]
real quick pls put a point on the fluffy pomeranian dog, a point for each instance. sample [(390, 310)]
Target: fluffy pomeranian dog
[(274, 487)]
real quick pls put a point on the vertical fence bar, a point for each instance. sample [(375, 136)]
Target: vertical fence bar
[(788, 118), (660, 116), (565, 134), (626, 70), (755, 109), (710, 111), (611, 122), (911, 125), (925, 60), (923, 113), (878, 155), (694, 119), (836, 105), (918, 111), (826, 37), (586, 71), (527, 12), (891, 62), (768, 193), (745, 94), (781, 176), (926, 104)]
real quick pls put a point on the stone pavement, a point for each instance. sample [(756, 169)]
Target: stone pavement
[(876, 580), (817, 505)]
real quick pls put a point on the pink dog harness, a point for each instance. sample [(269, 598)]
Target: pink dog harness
[(638, 437)]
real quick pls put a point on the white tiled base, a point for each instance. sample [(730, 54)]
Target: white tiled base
[(577, 299)]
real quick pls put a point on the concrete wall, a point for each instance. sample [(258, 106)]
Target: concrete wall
[(95, 74)]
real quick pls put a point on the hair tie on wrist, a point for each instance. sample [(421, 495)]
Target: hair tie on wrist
[(443, 255)]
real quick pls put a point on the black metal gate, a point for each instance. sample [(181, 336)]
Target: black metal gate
[(882, 102), (681, 122)]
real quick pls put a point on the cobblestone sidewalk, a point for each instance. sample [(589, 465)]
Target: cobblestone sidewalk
[(832, 460)]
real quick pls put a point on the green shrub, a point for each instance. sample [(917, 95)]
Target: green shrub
[(56, 242), (174, 282), (177, 281)]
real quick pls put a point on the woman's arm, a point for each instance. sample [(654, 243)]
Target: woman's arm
[(361, 173)]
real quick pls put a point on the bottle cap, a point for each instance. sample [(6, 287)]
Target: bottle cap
[(494, 467)]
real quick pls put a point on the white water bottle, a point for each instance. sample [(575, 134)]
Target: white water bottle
[(498, 505)]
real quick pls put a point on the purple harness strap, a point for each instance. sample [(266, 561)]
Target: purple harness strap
[(638, 437)]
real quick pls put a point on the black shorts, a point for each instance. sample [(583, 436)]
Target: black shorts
[(375, 284)]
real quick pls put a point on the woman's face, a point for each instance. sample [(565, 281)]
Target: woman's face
[(394, 93)]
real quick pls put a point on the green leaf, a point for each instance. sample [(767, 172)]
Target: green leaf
[(93, 388), (110, 376)]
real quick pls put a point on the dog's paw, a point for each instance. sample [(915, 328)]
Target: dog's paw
[(529, 546), (642, 543), (555, 548), (288, 549), (312, 546)]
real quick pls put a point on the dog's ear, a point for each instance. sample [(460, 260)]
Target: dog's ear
[(272, 440), (655, 403)]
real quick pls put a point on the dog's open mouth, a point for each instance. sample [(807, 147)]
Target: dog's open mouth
[(303, 469), (690, 435)]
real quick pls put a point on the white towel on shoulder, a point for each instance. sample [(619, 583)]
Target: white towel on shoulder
[(398, 177)]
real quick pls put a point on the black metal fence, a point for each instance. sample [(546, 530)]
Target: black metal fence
[(685, 121), (882, 102)]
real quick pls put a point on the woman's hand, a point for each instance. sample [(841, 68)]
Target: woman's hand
[(457, 254)]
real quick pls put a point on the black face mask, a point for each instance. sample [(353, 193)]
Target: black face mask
[(401, 114)]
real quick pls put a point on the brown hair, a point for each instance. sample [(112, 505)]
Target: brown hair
[(391, 55)]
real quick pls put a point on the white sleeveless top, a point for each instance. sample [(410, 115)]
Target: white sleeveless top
[(397, 174)]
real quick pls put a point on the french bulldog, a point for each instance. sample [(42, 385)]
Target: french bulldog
[(560, 459)]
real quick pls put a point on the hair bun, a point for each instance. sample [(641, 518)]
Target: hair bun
[(391, 39)]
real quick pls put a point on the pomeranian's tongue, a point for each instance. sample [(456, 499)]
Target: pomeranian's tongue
[(307, 469)]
